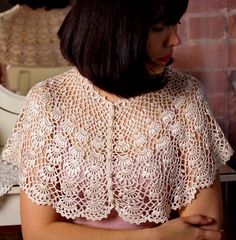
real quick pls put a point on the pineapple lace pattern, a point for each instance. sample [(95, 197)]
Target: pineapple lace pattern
[(141, 156)]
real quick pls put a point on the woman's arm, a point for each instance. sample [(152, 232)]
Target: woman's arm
[(208, 202), (43, 223)]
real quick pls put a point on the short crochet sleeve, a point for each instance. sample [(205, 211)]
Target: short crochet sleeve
[(201, 145), (27, 147)]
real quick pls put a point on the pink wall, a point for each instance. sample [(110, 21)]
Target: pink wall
[(208, 51)]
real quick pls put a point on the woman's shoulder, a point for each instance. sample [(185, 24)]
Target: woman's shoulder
[(183, 84), (56, 88), (182, 79)]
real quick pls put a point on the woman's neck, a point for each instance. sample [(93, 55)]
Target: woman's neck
[(109, 96)]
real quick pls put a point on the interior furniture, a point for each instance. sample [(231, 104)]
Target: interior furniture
[(21, 78)]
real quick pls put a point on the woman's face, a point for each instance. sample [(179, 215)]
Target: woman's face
[(161, 41)]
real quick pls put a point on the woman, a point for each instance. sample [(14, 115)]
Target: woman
[(109, 149)]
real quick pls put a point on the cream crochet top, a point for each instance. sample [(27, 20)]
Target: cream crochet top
[(29, 37), (141, 156)]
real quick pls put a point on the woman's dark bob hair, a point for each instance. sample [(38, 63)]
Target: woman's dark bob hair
[(47, 4), (107, 41)]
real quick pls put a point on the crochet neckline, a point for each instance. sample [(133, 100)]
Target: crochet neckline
[(99, 96)]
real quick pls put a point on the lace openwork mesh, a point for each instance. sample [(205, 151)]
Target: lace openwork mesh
[(29, 37), (141, 156)]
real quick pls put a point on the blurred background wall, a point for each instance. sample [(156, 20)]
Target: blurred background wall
[(208, 51)]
